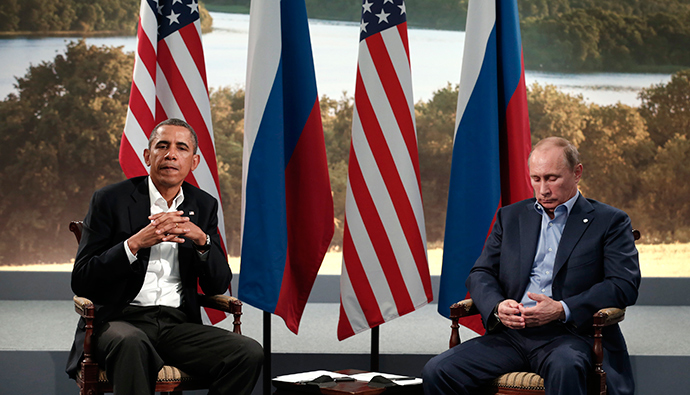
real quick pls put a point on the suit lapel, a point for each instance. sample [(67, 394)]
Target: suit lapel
[(139, 211), (579, 220), (530, 223), (190, 208)]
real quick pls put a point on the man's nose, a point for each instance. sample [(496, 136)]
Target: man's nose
[(544, 189), (171, 154)]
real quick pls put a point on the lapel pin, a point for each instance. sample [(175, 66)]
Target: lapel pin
[(585, 220), (191, 213)]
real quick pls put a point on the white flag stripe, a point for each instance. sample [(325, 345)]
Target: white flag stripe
[(385, 208), (392, 134), (351, 306), (478, 30), (135, 136), (190, 73), (398, 55), (408, 280), (145, 84), (262, 67), (149, 23), (367, 256)]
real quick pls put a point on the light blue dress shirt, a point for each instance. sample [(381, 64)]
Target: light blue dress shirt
[(541, 276)]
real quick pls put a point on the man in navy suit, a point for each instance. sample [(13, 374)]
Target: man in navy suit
[(548, 265), (146, 243)]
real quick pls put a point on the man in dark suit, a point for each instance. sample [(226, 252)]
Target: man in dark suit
[(146, 242), (548, 265)]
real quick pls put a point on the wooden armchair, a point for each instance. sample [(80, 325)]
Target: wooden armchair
[(527, 383), (93, 381)]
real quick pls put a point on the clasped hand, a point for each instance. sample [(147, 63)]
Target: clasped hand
[(170, 226), (515, 315)]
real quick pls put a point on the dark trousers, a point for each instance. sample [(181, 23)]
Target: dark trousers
[(135, 345), (560, 357)]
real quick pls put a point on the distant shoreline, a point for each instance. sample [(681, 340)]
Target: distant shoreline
[(656, 260)]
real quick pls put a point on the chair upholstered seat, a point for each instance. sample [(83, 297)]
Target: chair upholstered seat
[(523, 380), (166, 374)]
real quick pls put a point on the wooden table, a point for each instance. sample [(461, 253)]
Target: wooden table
[(347, 388)]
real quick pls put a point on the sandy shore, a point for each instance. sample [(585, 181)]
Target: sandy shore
[(658, 260)]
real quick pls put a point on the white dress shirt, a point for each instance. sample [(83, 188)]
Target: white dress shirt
[(162, 283)]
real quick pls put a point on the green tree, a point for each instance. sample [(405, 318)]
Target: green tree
[(336, 117), (9, 16), (666, 187), (59, 142), (435, 131), (666, 108), (227, 110), (615, 147), (554, 113)]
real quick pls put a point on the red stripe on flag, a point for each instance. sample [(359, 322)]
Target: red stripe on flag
[(359, 281), (395, 95), (516, 146), (129, 161), (402, 30), (160, 113), (146, 52), (344, 328), (180, 90), (192, 40), (379, 239), (310, 226), (394, 185), (140, 110)]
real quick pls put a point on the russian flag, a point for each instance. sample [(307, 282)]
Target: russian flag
[(491, 145), (287, 207)]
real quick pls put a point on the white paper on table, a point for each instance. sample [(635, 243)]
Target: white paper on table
[(396, 378), (308, 376)]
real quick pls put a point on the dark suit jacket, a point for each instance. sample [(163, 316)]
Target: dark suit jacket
[(102, 271), (596, 267)]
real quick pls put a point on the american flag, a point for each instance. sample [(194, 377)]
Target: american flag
[(169, 81), (385, 272)]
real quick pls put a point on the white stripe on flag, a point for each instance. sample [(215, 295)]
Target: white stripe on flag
[(478, 29), (262, 67)]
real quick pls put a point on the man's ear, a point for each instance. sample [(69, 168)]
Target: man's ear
[(195, 161), (147, 157), (578, 172)]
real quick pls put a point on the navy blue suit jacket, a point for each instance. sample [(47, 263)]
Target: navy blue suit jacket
[(596, 267), (102, 271)]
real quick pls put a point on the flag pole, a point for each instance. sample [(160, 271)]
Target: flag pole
[(374, 361), (267, 354)]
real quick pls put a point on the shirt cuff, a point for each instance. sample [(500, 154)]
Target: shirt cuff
[(566, 310), (132, 258)]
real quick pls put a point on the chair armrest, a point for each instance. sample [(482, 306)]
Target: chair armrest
[(608, 316), (463, 308), (84, 307), (228, 304), (604, 317)]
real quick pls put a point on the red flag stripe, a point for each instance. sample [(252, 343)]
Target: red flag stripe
[(389, 172), (379, 238), (383, 209), (359, 283), (169, 80), (395, 94)]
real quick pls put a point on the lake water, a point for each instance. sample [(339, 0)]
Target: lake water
[(436, 57)]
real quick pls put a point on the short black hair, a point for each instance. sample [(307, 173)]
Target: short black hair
[(175, 122)]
